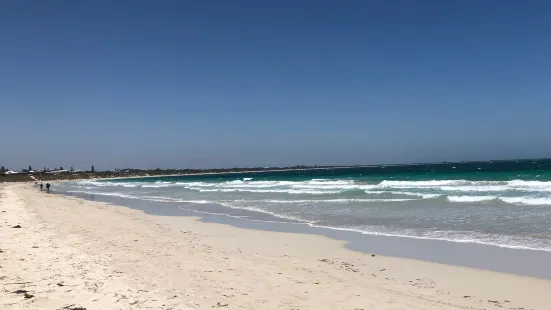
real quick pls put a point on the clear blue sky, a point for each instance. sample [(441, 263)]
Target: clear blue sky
[(248, 83)]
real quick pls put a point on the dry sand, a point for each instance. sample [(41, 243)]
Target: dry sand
[(72, 253)]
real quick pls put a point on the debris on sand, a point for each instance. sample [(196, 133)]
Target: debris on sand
[(25, 293), (17, 226), (219, 305), (72, 307)]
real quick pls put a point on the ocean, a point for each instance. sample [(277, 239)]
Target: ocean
[(498, 203)]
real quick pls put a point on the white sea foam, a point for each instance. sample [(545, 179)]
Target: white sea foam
[(235, 182), (472, 188), (197, 201), (122, 195), (493, 240), (470, 198), (522, 183), (428, 189), (330, 182), (415, 184), (156, 185), (535, 201), (255, 209), (239, 216), (287, 191), (405, 193), (150, 198), (329, 201)]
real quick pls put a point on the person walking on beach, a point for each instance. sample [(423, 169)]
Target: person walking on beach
[(41, 187), (47, 187)]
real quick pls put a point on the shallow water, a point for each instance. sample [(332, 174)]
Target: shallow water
[(504, 204)]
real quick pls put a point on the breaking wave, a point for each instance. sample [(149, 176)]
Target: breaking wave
[(470, 198), (511, 192), (511, 211)]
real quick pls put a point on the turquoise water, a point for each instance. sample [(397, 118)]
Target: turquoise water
[(505, 203)]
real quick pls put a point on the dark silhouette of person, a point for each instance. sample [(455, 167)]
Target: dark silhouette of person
[(41, 187), (48, 187)]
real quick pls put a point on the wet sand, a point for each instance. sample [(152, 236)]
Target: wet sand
[(522, 262)]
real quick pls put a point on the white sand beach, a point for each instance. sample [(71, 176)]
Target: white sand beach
[(69, 253)]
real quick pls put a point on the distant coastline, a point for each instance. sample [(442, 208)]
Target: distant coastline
[(144, 173)]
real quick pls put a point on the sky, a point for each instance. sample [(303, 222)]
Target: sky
[(199, 84)]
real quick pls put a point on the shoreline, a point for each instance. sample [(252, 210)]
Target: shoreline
[(136, 260), (464, 254)]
